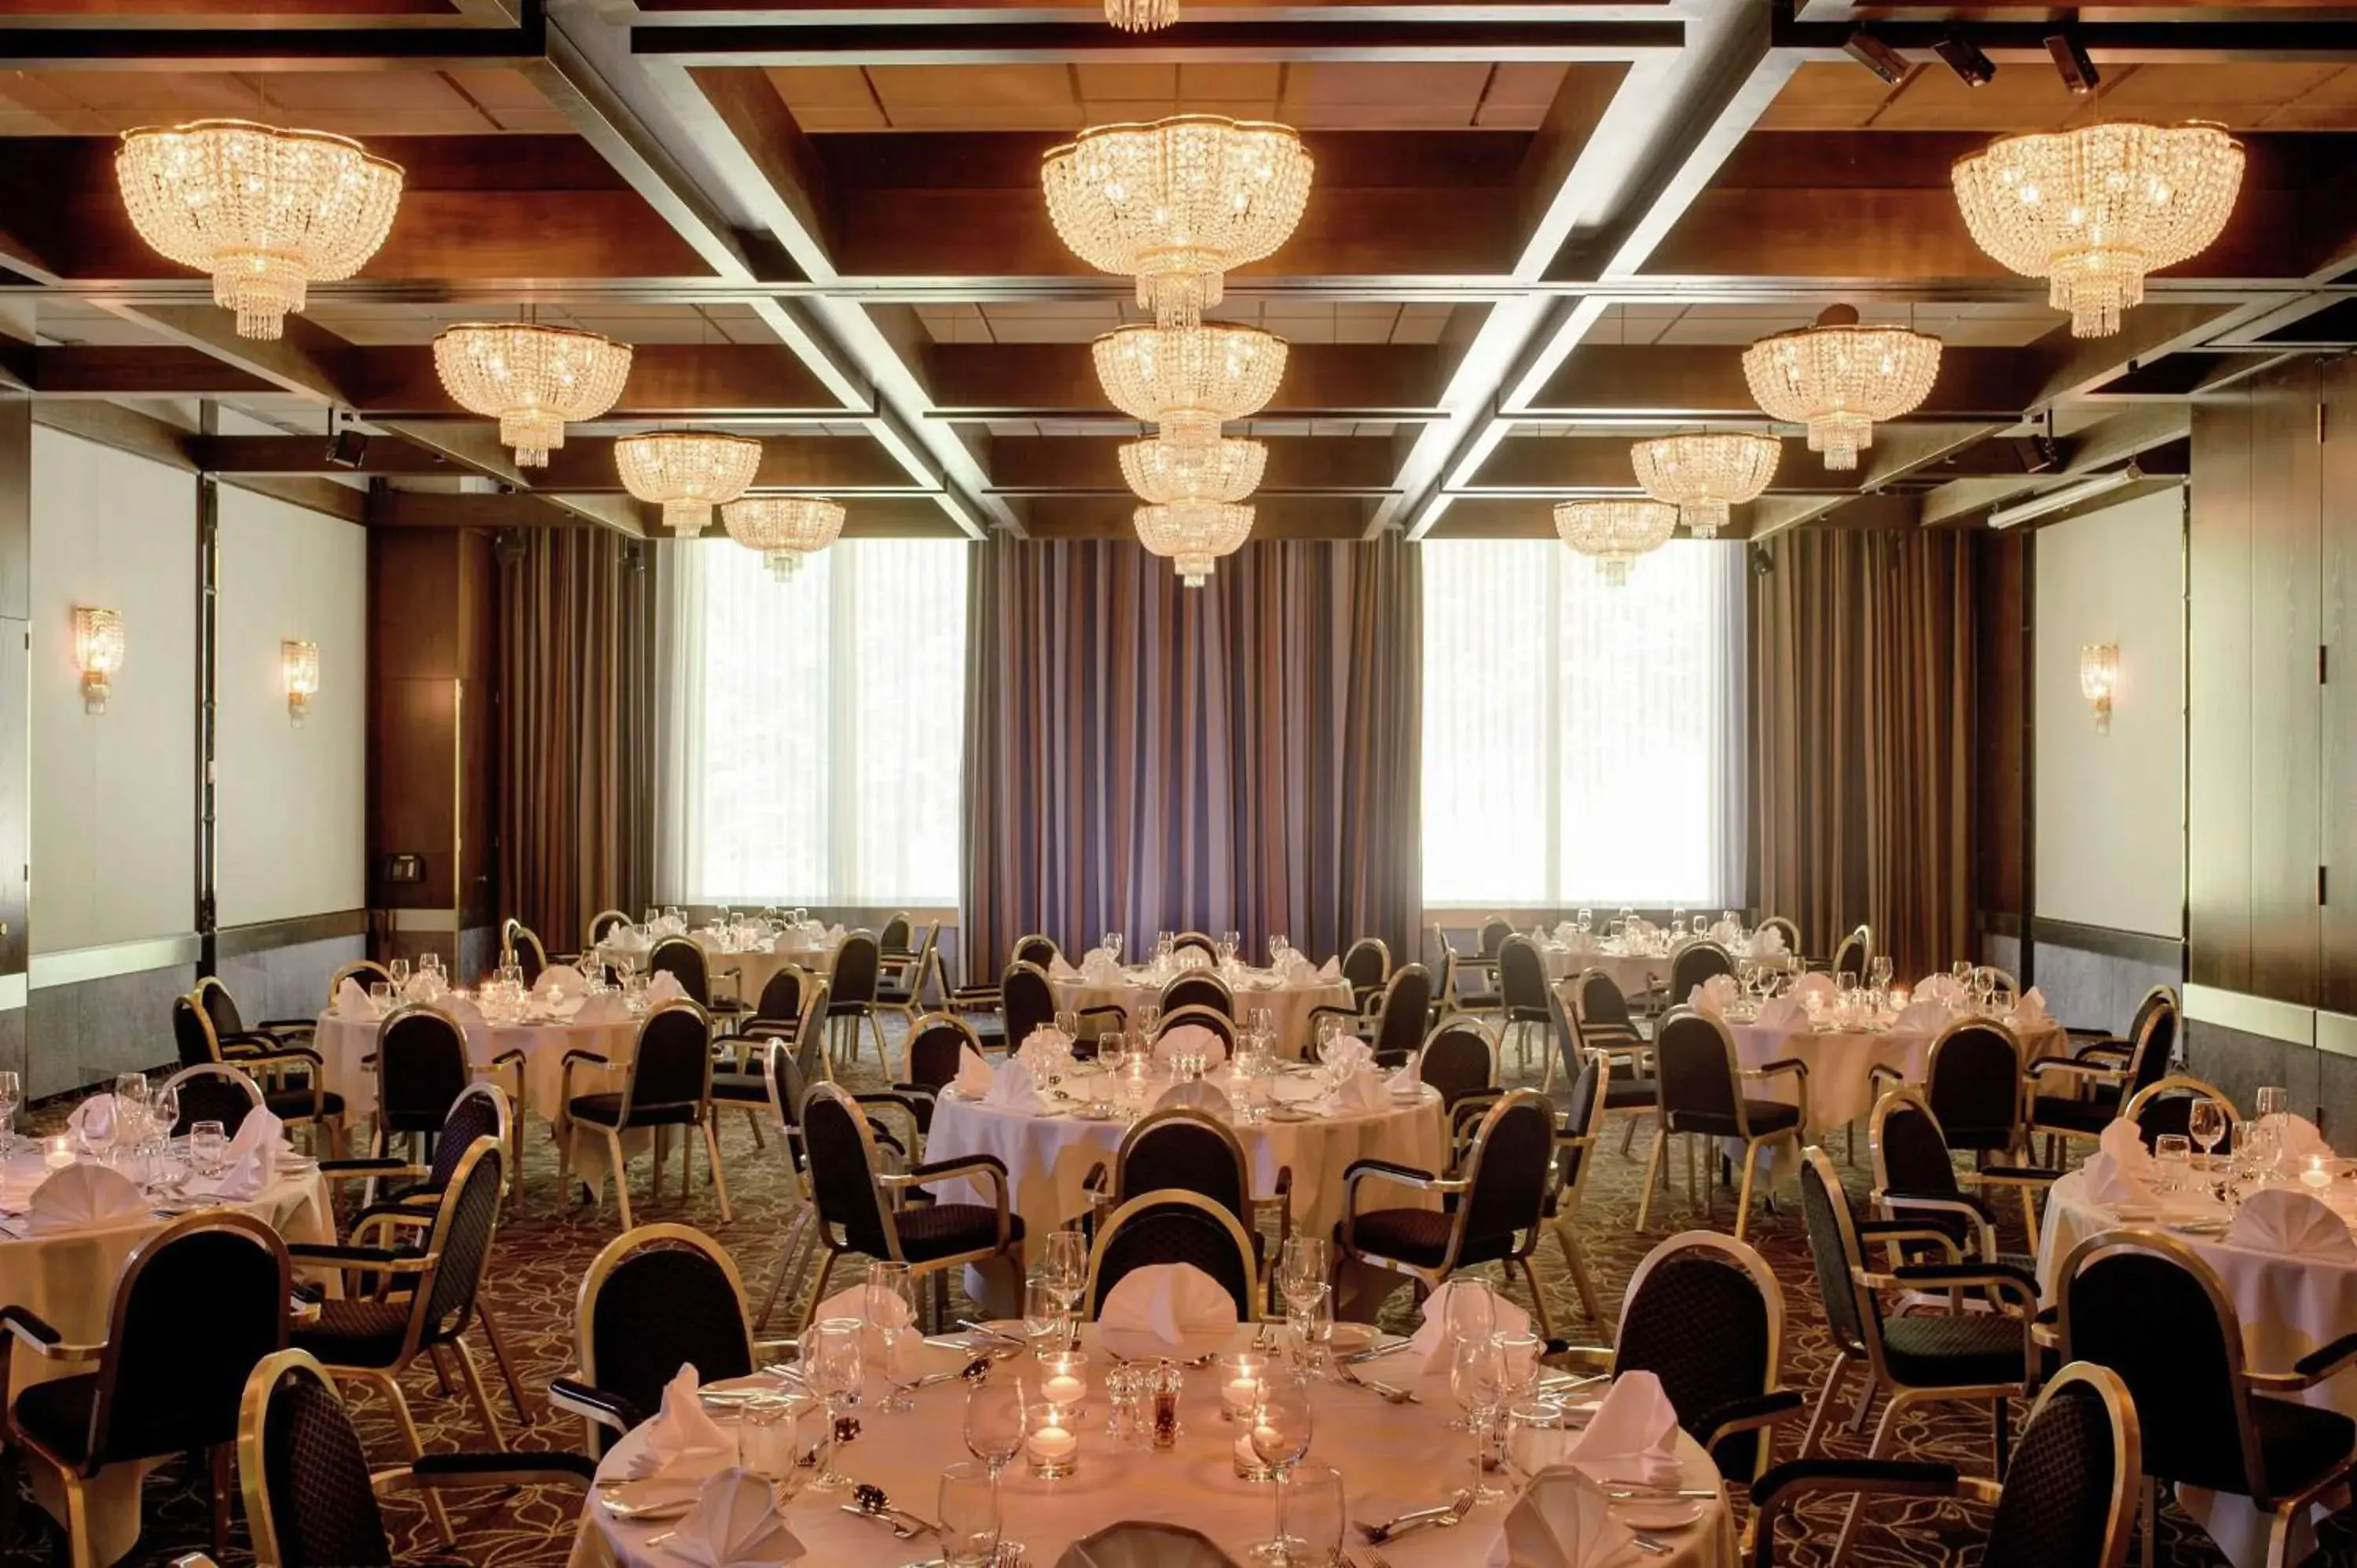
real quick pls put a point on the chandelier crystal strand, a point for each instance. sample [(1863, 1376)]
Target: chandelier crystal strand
[(1166, 472), (1840, 380), (1703, 473), (1178, 204), (1141, 15), (1193, 534), (267, 212), (1188, 380), (534, 379), (784, 528), (1615, 532), (689, 472), (2094, 209)]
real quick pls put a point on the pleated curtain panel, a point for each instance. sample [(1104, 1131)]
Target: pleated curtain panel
[(1144, 756), (1861, 739)]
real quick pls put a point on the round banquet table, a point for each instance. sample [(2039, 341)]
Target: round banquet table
[(343, 1043), (1289, 1005), (1049, 1157), (1633, 972), (755, 968), (1392, 1458), (1841, 1061), (67, 1280), (2289, 1306)]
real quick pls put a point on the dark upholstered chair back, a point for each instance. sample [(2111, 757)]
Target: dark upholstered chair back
[(895, 935), (1492, 938), (1025, 1000), (2068, 1496), (782, 998), (463, 1230), (193, 1033), (1601, 1004), (1199, 989), (1792, 933), (682, 959), (1510, 1168), (655, 1300), (1458, 1060), (420, 1069), (857, 962), (526, 951), (220, 1007), (214, 1091), (322, 1508), (1695, 1063), (671, 1078), (1407, 1005), (1702, 1320), (1039, 951), (2166, 1106), (604, 923), (842, 1172), (480, 1113), (1834, 1250), (1167, 1227), (1694, 962), (199, 1303), (2155, 1040), (933, 1051), (1522, 977), (1220, 1024), (1973, 1085), (1911, 1150), (1366, 966), (1188, 1150), (1852, 952), (1199, 941)]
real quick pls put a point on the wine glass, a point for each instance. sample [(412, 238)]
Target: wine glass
[(1473, 1314), (2205, 1122), (891, 1306), (1149, 1022), (1477, 1381), (1043, 1314), (1277, 948), (1310, 1509), (12, 1099), (1311, 1321), (1278, 1437), (399, 968), (1064, 1265), (834, 1353), (1877, 969), (1113, 1051), (1534, 1438), (994, 1424), (1302, 1269), (969, 1515)]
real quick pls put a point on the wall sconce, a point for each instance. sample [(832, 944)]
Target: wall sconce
[(300, 660), (2099, 677), (98, 653)]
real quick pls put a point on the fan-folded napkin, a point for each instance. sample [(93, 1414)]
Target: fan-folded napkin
[(1362, 1089), (351, 1001), (1345, 1053), (2285, 1220), (1045, 1051), (470, 1019), (1768, 942), (665, 987), (2029, 1012), (1170, 1302), (562, 979), (1782, 1012), (1012, 1087), (1921, 1016), (1191, 1040), (606, 1007), (1816, 983), (250, 1160), (1060, 968), (1428, 1348), (682, 1436), (2121, 1169), (1633, 1437), (1714, 996), (878, 1311), (84, 1194), (736, 1524), (1561, 1520), (974, 1077), (1409, 1076), (1723, 932)]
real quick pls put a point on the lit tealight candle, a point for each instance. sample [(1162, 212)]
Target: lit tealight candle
[(1239, 1395), (56, 1153), (2319, 1174), (1052, 1445), (1899, 994), (1063, 1388)]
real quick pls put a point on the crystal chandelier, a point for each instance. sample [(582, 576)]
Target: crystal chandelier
[(534, 379), (689, 471), (1188, 380), (1841, 378), (1164, 472), (2093, 211), (267, 212), (1615, 531), (1193, 534), (1141, 15), (784, 528), (1178, 203), (1703, 473)]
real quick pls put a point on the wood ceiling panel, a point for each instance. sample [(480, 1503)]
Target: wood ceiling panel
[(1826, 95), (1830, 95)]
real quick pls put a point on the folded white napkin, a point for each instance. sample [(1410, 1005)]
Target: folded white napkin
[(2029, 1012), (2286, 1219), (683, 1436), (786, 942), (974, 1077), (1060, 968), (1296, 969), (1724, 931), (1012, 1087), (1768, 943), (1170, 1302), (2296, 1138), (1782, 1012), (83, 1195), (2121, 1169), (250, 1161), (94, 1119), (470, 1017), (665, 987), (736, 1524), (1714, 996), (1361, 1091), (1633, 1437), (352, 1001), (1921, 1016), (1565, 931), (1816, 983), (606, 1008), (1345, 1053), (1409, 1076), (1202, 1094), (562, 979), (1190, 1039), (1101, 968), (1428, 1348), (1097, 956), (1330, 972), (1561, 1520), (835, 933), (906, 1354)]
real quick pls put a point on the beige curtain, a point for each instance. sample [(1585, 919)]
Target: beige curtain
[(577, 728), (1861, 765)]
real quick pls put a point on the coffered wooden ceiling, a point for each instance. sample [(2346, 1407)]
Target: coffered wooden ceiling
[(1537, 230)]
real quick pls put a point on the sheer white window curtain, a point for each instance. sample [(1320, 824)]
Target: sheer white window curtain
[(813, 728), (1583, 744)]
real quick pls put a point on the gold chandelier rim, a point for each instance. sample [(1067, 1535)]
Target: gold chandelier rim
[(1854, 328), (1226, 328), (639, 436), (1131, 127), (585, 336), (139, 134), (2016, 138)]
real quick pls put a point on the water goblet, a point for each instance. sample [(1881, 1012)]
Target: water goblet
[(834, 1365), (1477, 1381), (1310, 1510), (968, 1509), (2205, 1121), (890, 1301), (1277, 1436)]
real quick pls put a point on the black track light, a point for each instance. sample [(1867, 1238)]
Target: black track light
[(1964, 58), (1876, 57), (2079, 73)]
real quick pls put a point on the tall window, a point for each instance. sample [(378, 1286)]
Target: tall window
[(1583, 744), (815, 728)]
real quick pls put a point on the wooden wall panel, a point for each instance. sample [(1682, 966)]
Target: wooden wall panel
[(2000, 719), (2218, 697), (2284, 757), (2337, 485)]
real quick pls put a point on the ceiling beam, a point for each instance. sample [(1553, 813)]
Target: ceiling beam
[(1110, 516), (583, 466), (1354, 465), (876, 517), (2251, 37), (368, 48), (1342, 381)]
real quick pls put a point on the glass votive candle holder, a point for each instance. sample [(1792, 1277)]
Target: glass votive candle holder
[(56, 1153), (1050, 1447), (2316, 1174), (1240, 1383), (1064, 1382), (1250, 1466)]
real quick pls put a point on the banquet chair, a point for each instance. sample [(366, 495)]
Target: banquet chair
[(863, 1206), (1601, 1020), (364, 972), (668, 1084), (311, 1497), (2120, 1044), (1523, 1002), (2166, 1105), (1792, 933), (684, 959), (1705, 1314), (1399, 1024), (229, 1025), (1027, 1002), (1199, 941), (521, 945), (654, 1300), (1038, 950), (2149, 1307), (745, 1084), (1973, 1082), (2001, 981), (1171, 1225), (929, 1061), (199, 1303), (602, 924), (2104, 1074), (1483, 996), (1704, 1091), (422, 1068), (1915, 1180), (1366, 965), (1990, 1356), (1186, 1150), (1460, 1060), (212, 1091), (1198, 988), (403, 1302), (309, 1104), (1852, 953), (901, 983), (1692, 961), (1212, 1018), (777, 1013), (1496, 1205), (2067, 1501), (851, 995), (895, 935)]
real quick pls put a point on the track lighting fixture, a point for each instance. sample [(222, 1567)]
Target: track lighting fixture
[(1876, 57)]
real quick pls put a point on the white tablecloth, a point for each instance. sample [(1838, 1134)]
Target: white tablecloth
[(753, 970), (1392, 1458), (1289, 1006), (343, 1043), (69, 1281), (2289, 1307), (1632, 971), (1840, 1090), (1048, 1157)]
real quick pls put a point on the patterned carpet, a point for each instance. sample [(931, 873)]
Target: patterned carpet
[(545, 1246)]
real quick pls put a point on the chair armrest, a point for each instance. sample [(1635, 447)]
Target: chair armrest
[(2010, 1175), (381, 1165), (35, 1333), (280, 1056), (1750, 1415), (500, 1469), (593, 1403), (1902, 1205), (1329, 1010), (2107, 1049), (936, 1169), (769, 1029), (1991, 1276), (913, 1092), (1798, 1478), (572, 1056), (1793, 1064), (286, 1027), (2086, 1070), (2309, 1369), (378, 1260), (1393, 1171), (1907, 1231)]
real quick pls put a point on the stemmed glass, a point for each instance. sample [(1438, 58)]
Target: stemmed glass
[(1064, 1268), (1472, 1319), (1277, 948), (891, 1305), (1877, 970), (1311, 1322), (1043, 1314), (1301, 1271), (994, 1424), (1477, 1379), (1279, 1436), (836, 1369), (2205, 1122), (399, 968), (12, 1099)]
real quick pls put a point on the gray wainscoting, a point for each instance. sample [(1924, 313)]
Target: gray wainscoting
[(287, 981), (84, 1031)]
